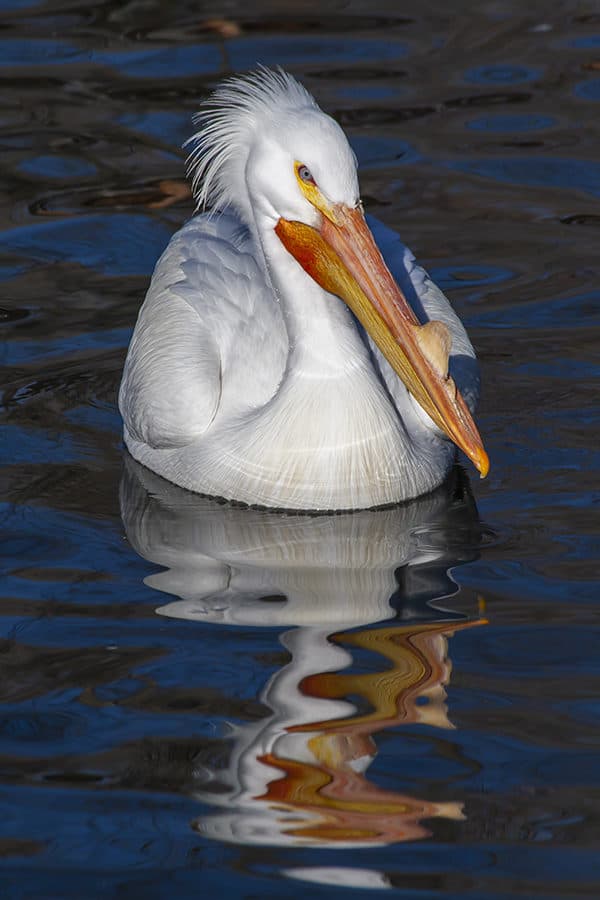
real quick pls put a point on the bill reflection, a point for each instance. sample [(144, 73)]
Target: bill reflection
[(364, 601)]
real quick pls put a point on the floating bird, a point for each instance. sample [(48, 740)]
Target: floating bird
[(276, 359)]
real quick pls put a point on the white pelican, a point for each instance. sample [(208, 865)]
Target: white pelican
[(275, 360)]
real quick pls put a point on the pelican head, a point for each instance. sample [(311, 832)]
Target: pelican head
[(267, 150)]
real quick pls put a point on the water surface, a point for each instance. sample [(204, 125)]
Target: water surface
[(197, 699)]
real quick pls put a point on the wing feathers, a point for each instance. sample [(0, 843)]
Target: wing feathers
[(207, 304), (172, 379)]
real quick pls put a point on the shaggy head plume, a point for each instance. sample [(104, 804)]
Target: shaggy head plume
[(239, 108)]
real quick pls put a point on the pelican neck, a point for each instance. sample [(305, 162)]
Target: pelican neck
[(323, 338)]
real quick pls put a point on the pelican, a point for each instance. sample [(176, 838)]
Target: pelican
[(276, 360)]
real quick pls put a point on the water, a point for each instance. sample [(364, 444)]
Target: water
[(403, 701)]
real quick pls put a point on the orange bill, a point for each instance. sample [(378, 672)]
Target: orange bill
[(344, 259)]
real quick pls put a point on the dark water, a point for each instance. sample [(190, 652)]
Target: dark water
[(405, 701)]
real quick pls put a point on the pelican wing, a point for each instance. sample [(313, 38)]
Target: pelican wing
[(208, 312)]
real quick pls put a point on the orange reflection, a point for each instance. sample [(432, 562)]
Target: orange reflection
[(329, 784)]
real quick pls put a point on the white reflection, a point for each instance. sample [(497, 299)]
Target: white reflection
[(340, 876), (299, 776)]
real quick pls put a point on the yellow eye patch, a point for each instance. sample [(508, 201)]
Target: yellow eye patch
[(312, 192)]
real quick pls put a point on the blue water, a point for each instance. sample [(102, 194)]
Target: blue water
[(198, 700)]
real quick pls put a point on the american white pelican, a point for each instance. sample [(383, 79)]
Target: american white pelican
[(275, 360)]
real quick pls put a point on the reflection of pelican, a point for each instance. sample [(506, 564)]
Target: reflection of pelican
[(248, 377), (329, 569), (322, 775), (298, 776)]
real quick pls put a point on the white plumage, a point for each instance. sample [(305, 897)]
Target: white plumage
[(246, 378)]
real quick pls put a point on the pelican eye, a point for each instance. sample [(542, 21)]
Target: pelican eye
[(305, 175)]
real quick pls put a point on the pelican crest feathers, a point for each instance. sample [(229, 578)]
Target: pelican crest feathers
[(227, 120)]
